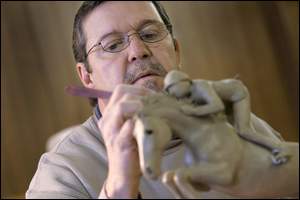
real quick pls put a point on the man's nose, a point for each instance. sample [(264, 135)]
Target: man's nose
[(137, 49)]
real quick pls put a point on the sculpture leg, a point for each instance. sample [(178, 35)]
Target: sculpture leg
[(242, 112), (184, 185), (187, 179), (235, 92), (168, 181)]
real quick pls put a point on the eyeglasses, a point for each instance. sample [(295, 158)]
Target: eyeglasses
[(117, 42)]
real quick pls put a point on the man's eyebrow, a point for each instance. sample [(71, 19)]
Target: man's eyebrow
[(147, 22), (107, 34), (139, 26)]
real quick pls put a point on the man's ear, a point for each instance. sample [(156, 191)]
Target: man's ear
[(84, 75), (177, 51)]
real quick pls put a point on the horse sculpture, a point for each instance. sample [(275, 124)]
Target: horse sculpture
[(217, 157)]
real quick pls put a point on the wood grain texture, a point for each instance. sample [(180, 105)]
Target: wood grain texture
[(258, 41)]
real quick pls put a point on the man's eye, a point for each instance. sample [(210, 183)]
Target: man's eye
[(114, 45), (149, 36)]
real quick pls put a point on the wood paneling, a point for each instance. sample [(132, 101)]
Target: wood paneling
[(257, 40), (37, 63)]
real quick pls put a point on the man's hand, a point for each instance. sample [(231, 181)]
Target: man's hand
[(116, 127)]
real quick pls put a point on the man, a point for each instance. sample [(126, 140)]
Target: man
[(126, 48)]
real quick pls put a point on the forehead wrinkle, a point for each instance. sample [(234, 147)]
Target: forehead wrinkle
[(114, 27), (137, 27)]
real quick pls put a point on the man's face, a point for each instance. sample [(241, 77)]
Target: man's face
[(140, 63)]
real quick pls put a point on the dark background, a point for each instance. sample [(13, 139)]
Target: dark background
[(257, 40)]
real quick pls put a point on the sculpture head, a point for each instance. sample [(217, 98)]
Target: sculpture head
[(152, 135), (177, 84)]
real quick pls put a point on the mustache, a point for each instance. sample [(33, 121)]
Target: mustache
[(143, 67)]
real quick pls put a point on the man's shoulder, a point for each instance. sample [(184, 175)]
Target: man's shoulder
[(85, 135), (74, 166), (75, 148)]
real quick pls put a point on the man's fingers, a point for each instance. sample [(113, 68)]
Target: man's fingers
[(123, 89), (119, 115), (123, 104), (125, 140), (127, 109)]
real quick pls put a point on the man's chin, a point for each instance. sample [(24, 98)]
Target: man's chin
[(152, 82)]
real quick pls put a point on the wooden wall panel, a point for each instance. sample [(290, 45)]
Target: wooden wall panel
[(257, 40), (37, 64)]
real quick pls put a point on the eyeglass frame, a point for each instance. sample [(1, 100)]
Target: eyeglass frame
[(167, 27)]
